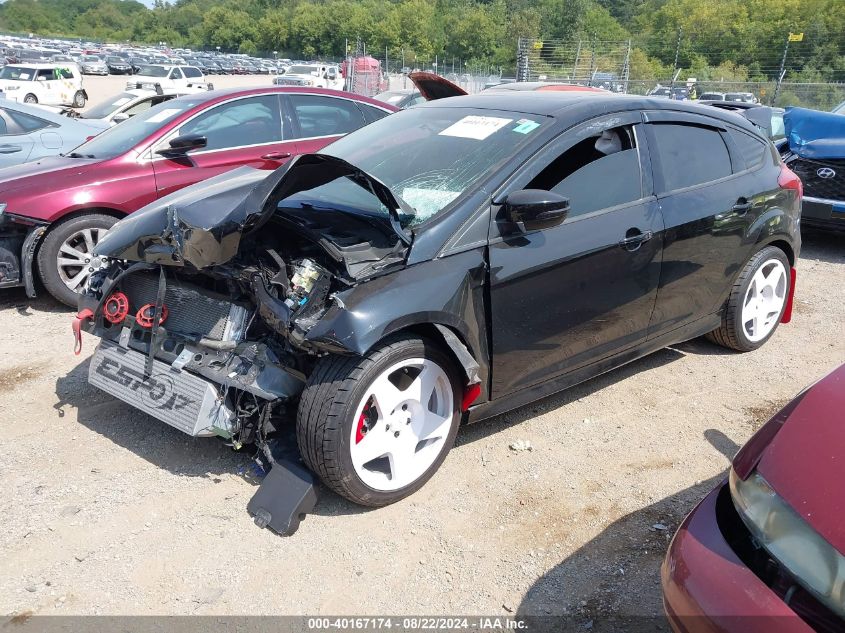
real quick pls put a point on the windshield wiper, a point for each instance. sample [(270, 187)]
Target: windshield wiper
[(78, 155)]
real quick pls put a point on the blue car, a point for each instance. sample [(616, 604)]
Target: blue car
[(29, 132), (815, 151)]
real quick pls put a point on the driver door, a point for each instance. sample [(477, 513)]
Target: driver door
[(244, 131), (565, 297)]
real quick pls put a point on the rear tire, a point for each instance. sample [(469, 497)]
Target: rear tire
[(79, 99), (756, 303), (403, 398), (66, 242)]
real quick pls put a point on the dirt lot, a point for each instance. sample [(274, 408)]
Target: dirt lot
[(107, 511)]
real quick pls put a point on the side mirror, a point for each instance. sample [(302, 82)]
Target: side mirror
[(535, 209), (181, 145), (120, 117)]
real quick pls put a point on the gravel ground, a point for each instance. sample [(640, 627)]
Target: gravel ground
[(107, 511)]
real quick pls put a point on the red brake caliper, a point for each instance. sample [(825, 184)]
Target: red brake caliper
[(361, 431)]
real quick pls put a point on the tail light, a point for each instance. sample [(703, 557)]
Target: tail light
[(787, 179)]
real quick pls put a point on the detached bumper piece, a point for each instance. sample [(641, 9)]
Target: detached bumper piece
[(284, 498)]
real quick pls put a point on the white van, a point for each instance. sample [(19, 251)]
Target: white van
[(48, 84)]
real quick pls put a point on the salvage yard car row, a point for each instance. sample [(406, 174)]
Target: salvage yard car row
[(300, 258)]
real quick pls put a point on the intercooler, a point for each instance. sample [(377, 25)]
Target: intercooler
[(191, 311)]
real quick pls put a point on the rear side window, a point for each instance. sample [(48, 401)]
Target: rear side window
[(752, 149), (26, 122), (689, 155), (325, 116), (191, 72), (372, 114)]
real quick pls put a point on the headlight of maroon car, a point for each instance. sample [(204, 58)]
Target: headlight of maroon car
[(814, 562)]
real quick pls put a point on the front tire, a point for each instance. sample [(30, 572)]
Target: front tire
[(756, 303), (30, 98), (376, 428), (79, 99), (65, 259)]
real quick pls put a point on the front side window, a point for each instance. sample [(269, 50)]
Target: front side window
[(46, 74), (176, 74), (250, 121), (192, 72), (689, 155), (150, 70), (598, 172), (325, 116)]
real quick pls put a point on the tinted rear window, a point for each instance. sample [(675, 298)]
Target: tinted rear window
[(690, 155), (752, 149)]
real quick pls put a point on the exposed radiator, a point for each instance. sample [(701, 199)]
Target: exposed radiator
[(192, 311)]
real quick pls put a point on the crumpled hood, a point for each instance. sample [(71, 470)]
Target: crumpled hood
[(202, 225), (804, 462), (814, 134), (59, 168)]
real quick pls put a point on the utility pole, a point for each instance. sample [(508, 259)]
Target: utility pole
[(577, 57), (782, 70), (626, 67), (677, 55)]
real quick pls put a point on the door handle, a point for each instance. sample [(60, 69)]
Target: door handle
[(742, 206), (10, 149), (276, 155), (633, 242)]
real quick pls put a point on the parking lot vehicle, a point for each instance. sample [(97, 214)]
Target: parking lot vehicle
[(661, 91), (712, 96), (815, 150), (134, 101), (402, 98), (118, 65), (304, 75), (764, 550), (46, 84), (168, 77), (30, 132), (93, 65), (63, 204), (375, 297), (745, 97)]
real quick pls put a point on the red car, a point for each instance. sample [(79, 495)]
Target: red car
[(765, 551), (52, 212)]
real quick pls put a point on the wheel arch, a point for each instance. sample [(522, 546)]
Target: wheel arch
[(782, 244)]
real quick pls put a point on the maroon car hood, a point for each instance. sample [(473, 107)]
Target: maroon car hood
[(19, 176), (805, 461), (433, 87)]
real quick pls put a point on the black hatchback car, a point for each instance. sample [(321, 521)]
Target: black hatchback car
[(444, 264)]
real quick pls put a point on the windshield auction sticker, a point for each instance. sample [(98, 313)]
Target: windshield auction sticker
[(475, 127)]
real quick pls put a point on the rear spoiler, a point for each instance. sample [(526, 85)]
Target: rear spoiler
[(759, 115)]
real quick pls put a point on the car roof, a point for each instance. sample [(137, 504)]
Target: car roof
[(49, 65), (226, 93), (563, 105)]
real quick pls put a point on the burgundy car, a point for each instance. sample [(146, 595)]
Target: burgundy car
[(765, 551), (53, 212)]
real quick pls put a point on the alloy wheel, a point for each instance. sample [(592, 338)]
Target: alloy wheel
[(764, 300), (401, 424), (76, 259)]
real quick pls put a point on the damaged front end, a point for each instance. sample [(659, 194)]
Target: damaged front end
[(19, 239), (206, 299)]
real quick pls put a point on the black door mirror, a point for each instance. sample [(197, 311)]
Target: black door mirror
[(534, 209), (181, 145)]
